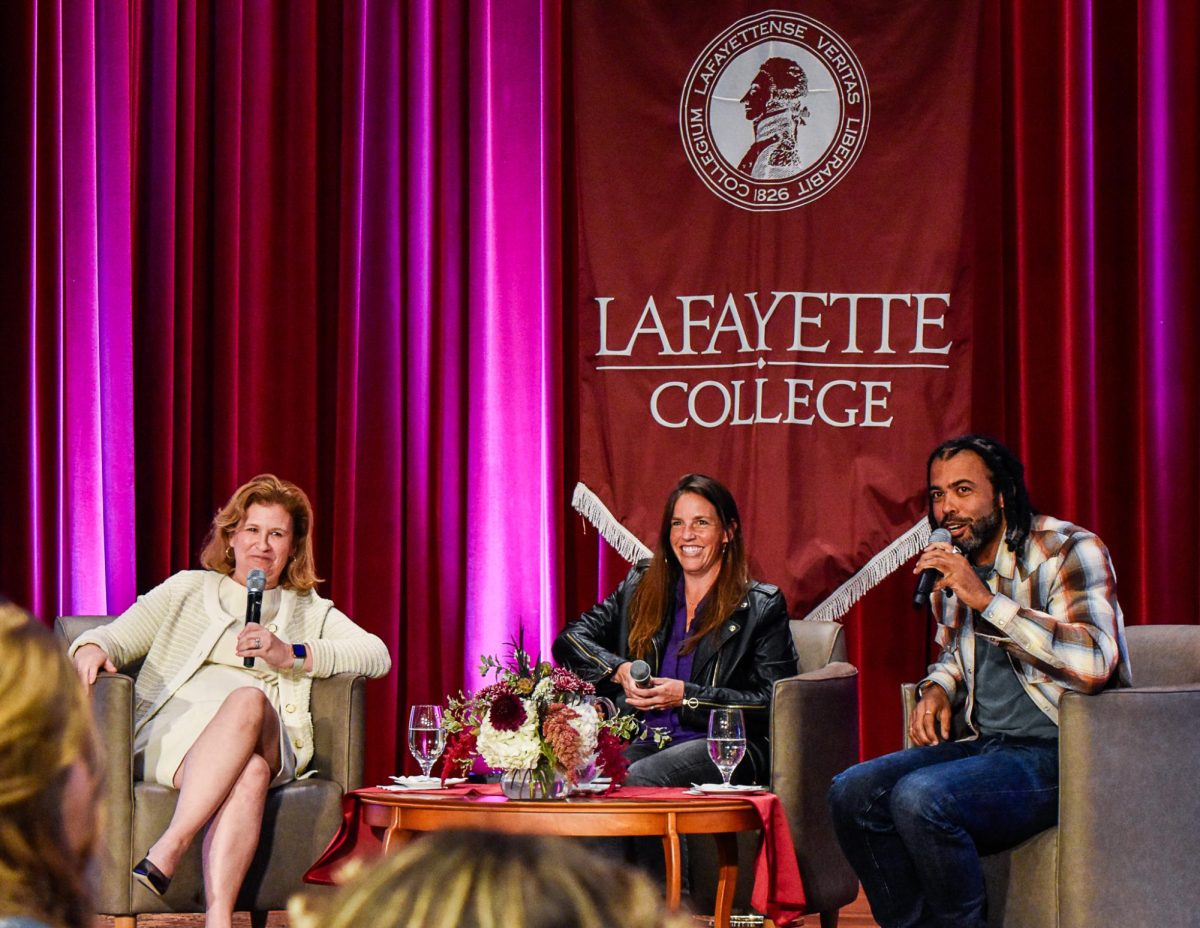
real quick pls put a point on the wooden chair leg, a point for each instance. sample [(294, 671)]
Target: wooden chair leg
[(124, 921), (258, 919)]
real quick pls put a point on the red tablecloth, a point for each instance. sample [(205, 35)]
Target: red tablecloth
[(778, 892)]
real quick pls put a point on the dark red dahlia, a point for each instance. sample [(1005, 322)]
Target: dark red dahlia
[(507, 712)]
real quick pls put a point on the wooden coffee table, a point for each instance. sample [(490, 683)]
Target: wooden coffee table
[(400, 815)]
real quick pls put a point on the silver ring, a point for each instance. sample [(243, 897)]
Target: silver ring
[(927, 712), (258, 642)]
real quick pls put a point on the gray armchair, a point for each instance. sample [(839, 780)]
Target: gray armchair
[(299, 820), (1127, 840), (814, 736)]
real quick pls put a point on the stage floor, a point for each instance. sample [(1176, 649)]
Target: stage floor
[(855, 915)]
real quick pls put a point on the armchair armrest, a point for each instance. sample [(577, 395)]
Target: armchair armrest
[(908, 703), (814, 736), (112, 712), (1128, 806), (339, 724)]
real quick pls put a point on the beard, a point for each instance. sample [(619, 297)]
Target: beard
[(979, 531)]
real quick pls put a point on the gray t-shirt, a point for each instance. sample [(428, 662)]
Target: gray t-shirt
[(1002, 707)]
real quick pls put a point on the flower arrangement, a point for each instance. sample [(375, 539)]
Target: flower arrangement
[(537, 719)]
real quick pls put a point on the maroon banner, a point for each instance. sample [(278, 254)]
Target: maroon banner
[(775, 271)]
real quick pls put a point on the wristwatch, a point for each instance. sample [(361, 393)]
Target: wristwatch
[(299, 654)]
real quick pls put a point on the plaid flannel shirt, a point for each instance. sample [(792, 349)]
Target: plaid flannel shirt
[(1056, 604)]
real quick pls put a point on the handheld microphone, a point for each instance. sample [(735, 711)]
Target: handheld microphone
[(639, 673), (256, 582), (929, 576)]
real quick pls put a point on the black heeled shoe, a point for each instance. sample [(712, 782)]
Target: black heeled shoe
[(151, 877)]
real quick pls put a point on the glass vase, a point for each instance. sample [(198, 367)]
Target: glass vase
[(532, 785)]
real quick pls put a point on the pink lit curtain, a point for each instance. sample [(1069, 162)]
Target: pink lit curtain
[(318, 239)]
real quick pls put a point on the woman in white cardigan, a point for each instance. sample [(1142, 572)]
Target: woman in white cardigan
[(219, 732)]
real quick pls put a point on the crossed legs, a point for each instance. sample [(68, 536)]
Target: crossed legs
[(224, 778)]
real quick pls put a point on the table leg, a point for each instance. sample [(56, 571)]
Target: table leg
[(727, 870), (396, 835), (672, 857)]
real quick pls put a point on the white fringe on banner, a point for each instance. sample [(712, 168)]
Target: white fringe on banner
[(878, 567), (627, 544), (623, 541)]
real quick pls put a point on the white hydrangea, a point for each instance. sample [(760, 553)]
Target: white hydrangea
[(511, 750), (544, 690), (588, 727)]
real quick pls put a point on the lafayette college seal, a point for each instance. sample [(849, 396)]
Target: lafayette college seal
[(774, 111)]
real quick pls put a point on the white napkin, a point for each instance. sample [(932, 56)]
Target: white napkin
[(418, 782)]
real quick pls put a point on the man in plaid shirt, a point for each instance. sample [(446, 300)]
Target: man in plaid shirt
[(1027, 609)]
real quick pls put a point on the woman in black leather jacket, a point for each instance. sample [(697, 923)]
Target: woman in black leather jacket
[(711, 635)]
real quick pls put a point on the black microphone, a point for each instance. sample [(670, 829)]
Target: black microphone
[(256, 582), (639, 673), (929, 576)]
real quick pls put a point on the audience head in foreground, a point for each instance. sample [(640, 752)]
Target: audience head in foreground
[(48, 768), (477, 879)]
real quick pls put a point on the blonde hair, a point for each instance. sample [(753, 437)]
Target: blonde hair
[(45, 732), (480, 879), (300, 574)]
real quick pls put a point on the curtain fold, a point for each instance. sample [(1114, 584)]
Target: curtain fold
[(68, 506), (513, 512)]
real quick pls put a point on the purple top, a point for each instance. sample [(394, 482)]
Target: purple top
[(677, 667)]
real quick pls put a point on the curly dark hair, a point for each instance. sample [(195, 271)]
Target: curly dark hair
[(1008, 479)]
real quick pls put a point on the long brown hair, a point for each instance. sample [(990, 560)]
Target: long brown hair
[(45, 734), (652, 598), (300, 574)]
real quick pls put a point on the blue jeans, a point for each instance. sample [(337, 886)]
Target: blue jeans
[(913, 824), (675, 765)]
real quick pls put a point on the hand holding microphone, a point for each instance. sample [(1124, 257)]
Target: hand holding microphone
[(256, 582), (930, 575), (949, 570), (643, 693), (639, 673)]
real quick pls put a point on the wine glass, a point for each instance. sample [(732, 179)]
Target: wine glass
[(426, 736), (726, 740)]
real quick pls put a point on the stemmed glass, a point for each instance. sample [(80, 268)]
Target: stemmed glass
[(426, 736), (726, 740)]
